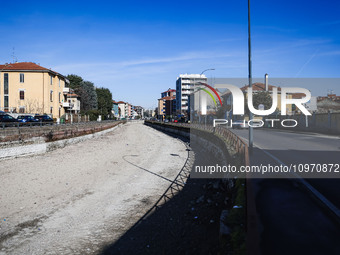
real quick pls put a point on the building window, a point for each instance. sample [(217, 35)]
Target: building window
[(59, 112), (51, 110), (6, 83), (6, 101), (51, 96), (22, 94), (22, 78), (51, 79), (22, 110), (59, 97), (59, 82)]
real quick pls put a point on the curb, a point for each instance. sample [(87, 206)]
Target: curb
[(321, 200)]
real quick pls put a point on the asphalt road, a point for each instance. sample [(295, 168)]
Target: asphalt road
[(303, 148), (291, 221)]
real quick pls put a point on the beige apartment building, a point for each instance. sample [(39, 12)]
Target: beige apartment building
[(26, 87)]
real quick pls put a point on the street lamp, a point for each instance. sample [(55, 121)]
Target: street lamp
[(209, 69), (250, 81)]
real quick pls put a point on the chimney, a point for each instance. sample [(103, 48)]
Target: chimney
[(266, 81)]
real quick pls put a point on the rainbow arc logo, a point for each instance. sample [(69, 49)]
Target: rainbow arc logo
[(209, 93)]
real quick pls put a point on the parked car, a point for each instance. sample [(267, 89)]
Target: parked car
[(44, 119), (239, 124), (7, 120), (27, 120)]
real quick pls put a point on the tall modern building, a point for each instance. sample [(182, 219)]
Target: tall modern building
[(185, 84)]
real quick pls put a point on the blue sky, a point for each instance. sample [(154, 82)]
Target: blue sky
[(138, 48)]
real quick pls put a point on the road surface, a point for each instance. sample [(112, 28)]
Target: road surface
[(298, 148), (292, 221), (77, 199)]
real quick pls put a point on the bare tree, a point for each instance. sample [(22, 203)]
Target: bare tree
[(31, 106)]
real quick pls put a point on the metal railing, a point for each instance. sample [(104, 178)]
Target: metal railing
[(240, 146)]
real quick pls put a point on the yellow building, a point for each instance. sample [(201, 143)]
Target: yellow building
[(29, 88)]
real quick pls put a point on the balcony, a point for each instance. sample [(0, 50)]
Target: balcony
[(186, 92), (68, 105), (187, 81)]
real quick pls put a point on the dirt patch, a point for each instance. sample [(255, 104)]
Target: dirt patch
[(20, 227)]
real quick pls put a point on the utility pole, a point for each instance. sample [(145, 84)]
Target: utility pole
[(250, 81)]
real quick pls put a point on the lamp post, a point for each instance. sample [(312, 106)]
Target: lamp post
[(250, 81), (209, 69)]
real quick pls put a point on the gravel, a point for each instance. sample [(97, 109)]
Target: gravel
[(80, 198)]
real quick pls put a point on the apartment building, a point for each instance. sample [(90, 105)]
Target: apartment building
[(122, 110), (167, 103), (128, 111), (26, 87), (168, 93), (115, 109), (185, 84), (140, 111)]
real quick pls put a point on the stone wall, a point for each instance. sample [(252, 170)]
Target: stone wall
[(59, 139), (34, 134)]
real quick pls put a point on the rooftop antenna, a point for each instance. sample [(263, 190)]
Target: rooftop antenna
[(15, 59)]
